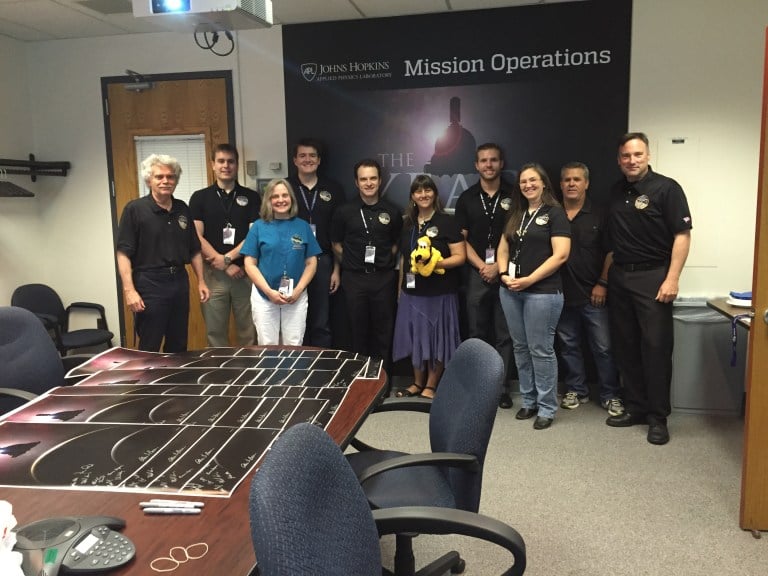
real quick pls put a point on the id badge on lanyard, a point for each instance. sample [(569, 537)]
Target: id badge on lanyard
[(370, 254)]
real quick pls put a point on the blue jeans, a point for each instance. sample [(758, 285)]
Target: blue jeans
[(574, 321), (532, 321)]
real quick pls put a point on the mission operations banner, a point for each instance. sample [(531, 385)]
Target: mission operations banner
[(549, 83)]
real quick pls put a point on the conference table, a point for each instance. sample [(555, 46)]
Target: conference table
[(356, 381)]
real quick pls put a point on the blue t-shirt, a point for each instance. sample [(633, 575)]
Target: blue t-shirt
[(280, 246)]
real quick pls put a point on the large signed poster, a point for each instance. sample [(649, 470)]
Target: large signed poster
[(172, 423)]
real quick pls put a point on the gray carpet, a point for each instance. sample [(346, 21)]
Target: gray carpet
[(593, 500)]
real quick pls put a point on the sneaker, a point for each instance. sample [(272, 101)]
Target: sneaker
[(614, 406), (572, 400)]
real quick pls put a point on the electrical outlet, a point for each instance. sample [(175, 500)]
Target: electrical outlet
[(251, 168)]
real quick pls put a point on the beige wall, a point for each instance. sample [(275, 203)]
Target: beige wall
[(696, 73)]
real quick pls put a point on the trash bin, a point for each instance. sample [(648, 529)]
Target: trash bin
[(703, 380)]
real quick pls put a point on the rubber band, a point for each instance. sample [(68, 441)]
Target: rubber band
[(152, 564), (186, 556), (176, 561), (191, 557)]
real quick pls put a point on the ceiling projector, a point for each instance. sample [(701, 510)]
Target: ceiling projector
[(186, 15)]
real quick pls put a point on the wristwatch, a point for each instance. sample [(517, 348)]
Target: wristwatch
[(227, 260)]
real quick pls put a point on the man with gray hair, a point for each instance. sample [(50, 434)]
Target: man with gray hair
[(156, 238), (585, 288)]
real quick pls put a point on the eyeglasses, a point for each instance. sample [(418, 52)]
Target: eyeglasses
[(179, 555)]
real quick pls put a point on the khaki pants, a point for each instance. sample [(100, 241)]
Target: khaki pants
[(227, 294)]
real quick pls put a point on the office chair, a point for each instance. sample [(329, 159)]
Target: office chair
[(46, 304), (309, 515), (29, 361), (461, 420)]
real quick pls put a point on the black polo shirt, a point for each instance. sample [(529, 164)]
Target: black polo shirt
[(645, 217), (153, 237), (317, 205), (484, 217), (382, 227), (215, 209), (536, 245), (442, 231), (585, 262)]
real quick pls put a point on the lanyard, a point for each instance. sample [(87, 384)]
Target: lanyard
[(367, 232), (492, 213), (227, 209), (521, 231), (306, 202)]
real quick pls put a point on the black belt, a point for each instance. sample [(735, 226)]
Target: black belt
[(641, 266), (370, 269), (165, 269)]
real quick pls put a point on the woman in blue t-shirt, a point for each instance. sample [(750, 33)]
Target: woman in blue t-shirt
[(280, 259), (535, 243)]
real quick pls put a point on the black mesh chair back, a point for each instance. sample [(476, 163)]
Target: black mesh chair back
[(46, 304), (309, 515), (29, 360)]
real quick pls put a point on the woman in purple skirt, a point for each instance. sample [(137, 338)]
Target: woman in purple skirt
[(427, 324)]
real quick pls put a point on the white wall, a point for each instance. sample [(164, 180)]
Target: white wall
[(696, 73), (19, 217)]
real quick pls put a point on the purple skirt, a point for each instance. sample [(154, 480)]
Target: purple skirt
[(426, 328)]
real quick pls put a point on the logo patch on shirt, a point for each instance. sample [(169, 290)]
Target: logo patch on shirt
[(542, 220), (432, 232), (183, 222), (241, 200), (642, 202), (505, 203), (296, 242), (325, 196), (384, 218)]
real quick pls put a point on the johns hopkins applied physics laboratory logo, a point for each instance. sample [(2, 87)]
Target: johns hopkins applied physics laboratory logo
[(351, 70), (309, 71)]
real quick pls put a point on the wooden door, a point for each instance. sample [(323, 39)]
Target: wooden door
[(754, 480), (173, 106)]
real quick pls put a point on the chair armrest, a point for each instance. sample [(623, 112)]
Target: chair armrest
[(23, 394), (91, 305), (100, 323), (423, 405), (432, 520), (414, 404), (431, 459)]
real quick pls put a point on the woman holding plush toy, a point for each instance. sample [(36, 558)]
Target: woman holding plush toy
[(427, 324)]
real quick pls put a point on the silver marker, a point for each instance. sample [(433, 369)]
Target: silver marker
[(170, 504), (160, 510)]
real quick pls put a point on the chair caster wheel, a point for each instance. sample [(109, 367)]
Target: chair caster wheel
[(459, 568)]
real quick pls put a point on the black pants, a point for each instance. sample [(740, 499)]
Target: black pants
[(318, 331), (370, 302), (166, 309), (642, 337), (485, 319)]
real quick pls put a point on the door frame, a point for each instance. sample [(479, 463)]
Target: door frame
[(106, 82)]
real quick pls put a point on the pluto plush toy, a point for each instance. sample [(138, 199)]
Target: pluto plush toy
[(424, 258)]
